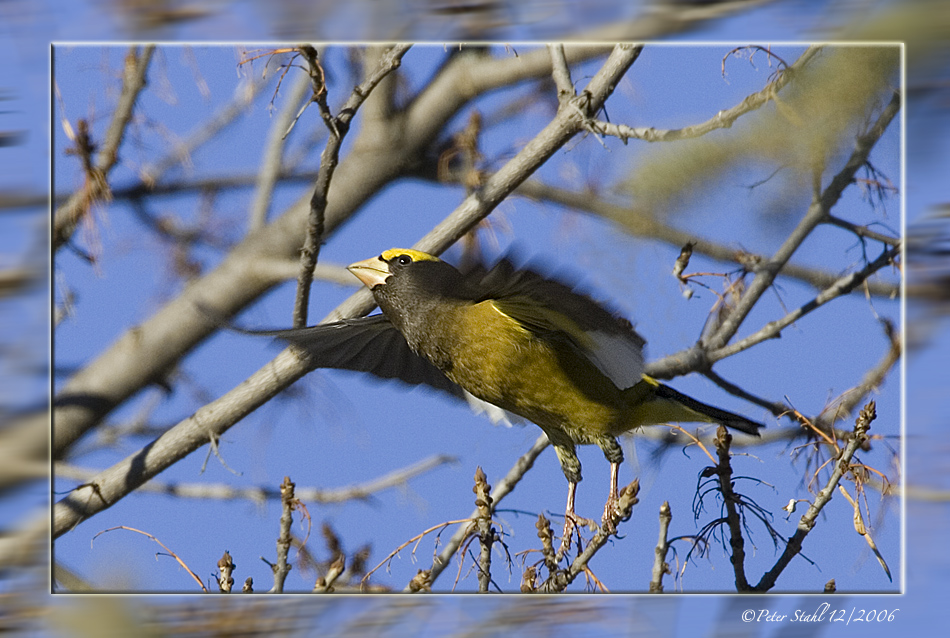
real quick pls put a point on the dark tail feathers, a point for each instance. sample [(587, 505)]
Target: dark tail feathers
[(711, 414)]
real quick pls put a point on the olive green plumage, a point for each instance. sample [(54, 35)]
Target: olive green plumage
[(514, 339)]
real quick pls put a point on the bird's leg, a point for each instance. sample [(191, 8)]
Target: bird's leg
[(614, 454), (571, 521), (613, 499)]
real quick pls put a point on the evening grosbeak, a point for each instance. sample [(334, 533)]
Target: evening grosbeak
[(516, 340)]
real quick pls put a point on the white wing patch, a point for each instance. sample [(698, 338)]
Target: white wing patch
[(498, 416), (618, 357)]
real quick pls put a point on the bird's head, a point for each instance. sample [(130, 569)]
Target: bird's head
[(405, 281)]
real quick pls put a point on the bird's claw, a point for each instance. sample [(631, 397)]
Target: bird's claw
[(611, 514), (571, 522)]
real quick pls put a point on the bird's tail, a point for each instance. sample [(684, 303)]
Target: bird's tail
[(653, 403)]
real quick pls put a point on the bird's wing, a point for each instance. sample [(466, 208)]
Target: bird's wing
[(366, 344), (551, 308), (372, 344)]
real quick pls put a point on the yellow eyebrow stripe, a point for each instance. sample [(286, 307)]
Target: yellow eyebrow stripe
[(417, 255)]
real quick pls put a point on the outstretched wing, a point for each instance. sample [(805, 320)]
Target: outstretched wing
[(556, 310), (372, 344), (366, 344)]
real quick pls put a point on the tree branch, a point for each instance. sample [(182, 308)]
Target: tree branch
[(660, 566), (649, 227), (697, 357), (223, 492), (271, 163), (561, 578), (502, 489), (288, 502), (730, 502), (773, 329), (807, 522), (218, 416), (486, 532), (816, 214), (338, 127), (133, 81), (560, 73), (721, 120)]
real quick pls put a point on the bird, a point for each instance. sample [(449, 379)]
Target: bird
[(524, 343)]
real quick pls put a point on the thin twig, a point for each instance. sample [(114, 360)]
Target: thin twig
[(731, 502), (807, 522), (649, 227), (722, 119), (660, 566), (775, 407), (850, 398), (271, 164), (223, 492), (466, 522), (816, 214), (133, 81), (863, 231), (560, 579), (165, 547), (560, 73), (288, 502), (502, 488), (841, 287), (202, 133), (486, 533), (338, 127)]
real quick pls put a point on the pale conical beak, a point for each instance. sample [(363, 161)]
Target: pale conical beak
[(372, 272)]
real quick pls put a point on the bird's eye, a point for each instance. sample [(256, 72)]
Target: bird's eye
[(404, 260)]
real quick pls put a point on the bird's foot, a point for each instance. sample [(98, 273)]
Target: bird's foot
[(571, 523), (619, 507), (611, 514)]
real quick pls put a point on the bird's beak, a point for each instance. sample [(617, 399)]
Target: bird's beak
[(371, 272)]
